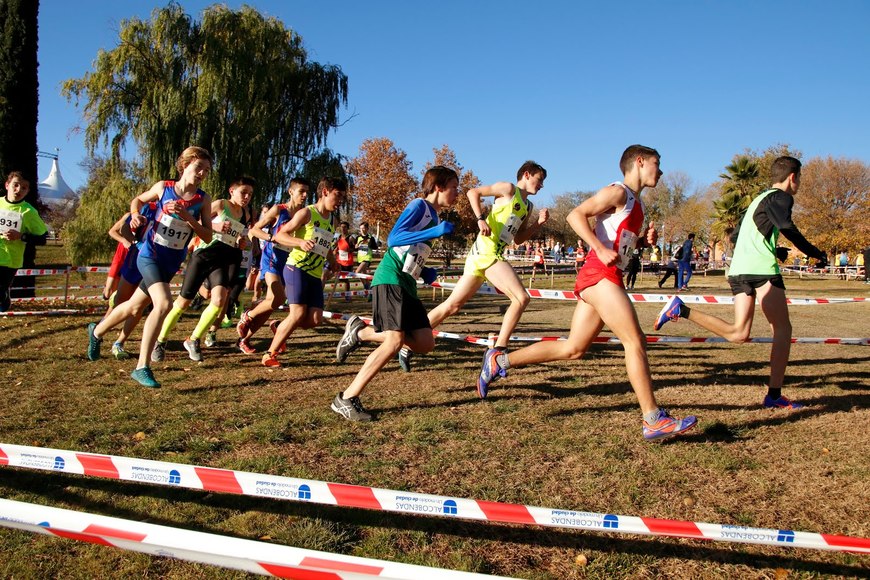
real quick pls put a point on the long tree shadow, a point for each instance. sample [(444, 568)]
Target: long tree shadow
[(76, 492)]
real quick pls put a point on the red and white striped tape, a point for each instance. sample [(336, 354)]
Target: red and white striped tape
[(613, 340), (50, 298), (62, 312), (687, 298), (355, 496), (228, 552)]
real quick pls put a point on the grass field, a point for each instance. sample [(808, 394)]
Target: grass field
[(561, 435)]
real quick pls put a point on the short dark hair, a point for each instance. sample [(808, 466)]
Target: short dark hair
[(299, 181), (782, 167), (344, 224), (532, 168), (691, 236), (437, 176), (331, 183), (366, 224), (244, 180), (632, 152)]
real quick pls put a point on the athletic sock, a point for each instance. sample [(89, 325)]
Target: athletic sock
[(209, 315), (684, 311), (774, 394), (170, 322), (652, 416)]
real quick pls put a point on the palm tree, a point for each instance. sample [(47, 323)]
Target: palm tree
[(742, 176)]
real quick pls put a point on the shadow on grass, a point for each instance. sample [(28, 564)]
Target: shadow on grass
[(73, 491)]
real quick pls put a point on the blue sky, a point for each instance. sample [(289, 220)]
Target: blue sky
[(568, 84)]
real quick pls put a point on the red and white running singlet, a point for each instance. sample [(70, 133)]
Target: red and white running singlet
[(618, 231)]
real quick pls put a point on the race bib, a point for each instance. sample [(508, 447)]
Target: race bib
[(231, 236), (247, 256), (510, 229), (322, 241), (172, 232), (9, 221), (627, 241), (343, 255), (415, 259)]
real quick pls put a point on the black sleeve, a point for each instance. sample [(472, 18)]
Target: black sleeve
[(35, 240), (373, 243), (777, 208)]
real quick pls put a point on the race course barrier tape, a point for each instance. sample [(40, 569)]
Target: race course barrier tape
[(613, 340), (687, 298), (239, 554), (62, 312), (406, 502)]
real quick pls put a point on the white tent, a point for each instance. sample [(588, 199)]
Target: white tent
[(53, 189)]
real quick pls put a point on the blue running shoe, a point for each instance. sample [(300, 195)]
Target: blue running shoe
[(93, 343), (671, 311), (667, 426), (489, 372), (781, 403), (145, 377)]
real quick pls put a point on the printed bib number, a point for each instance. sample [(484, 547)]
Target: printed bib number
[(510, 229), (322, 241), (172, 232), (9, 221), (343, 255), (415, 259), (231, 236), (627, 241)]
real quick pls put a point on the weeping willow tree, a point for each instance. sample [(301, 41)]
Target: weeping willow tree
[(234, 82)]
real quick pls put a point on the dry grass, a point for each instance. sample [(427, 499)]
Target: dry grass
[(562, 435)]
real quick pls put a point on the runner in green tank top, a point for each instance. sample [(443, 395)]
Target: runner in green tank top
[(508, 222), (309, 233), (754, 271)]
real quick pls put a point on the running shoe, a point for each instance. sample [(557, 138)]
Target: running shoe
[(350, 340), (211, 339), (193, 350), (404, 356), (242, 326), (671, 311), (145, 377), (667, 426), (271, 361), (159, 352), (118, 351), (273, 326), (227, 322), (93, 343), (489, 371), (351, 409), (781, 403), (246, 347)]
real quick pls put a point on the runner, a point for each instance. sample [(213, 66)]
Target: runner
[(19, 224), (309, 233), (217, 261), (399, 316), (178, 218), (272, 261), (754, 273), (602, 299), (508, 222)]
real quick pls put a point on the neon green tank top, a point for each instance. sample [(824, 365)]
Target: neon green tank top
[(320, 230), (753, 253), (505, 220)]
